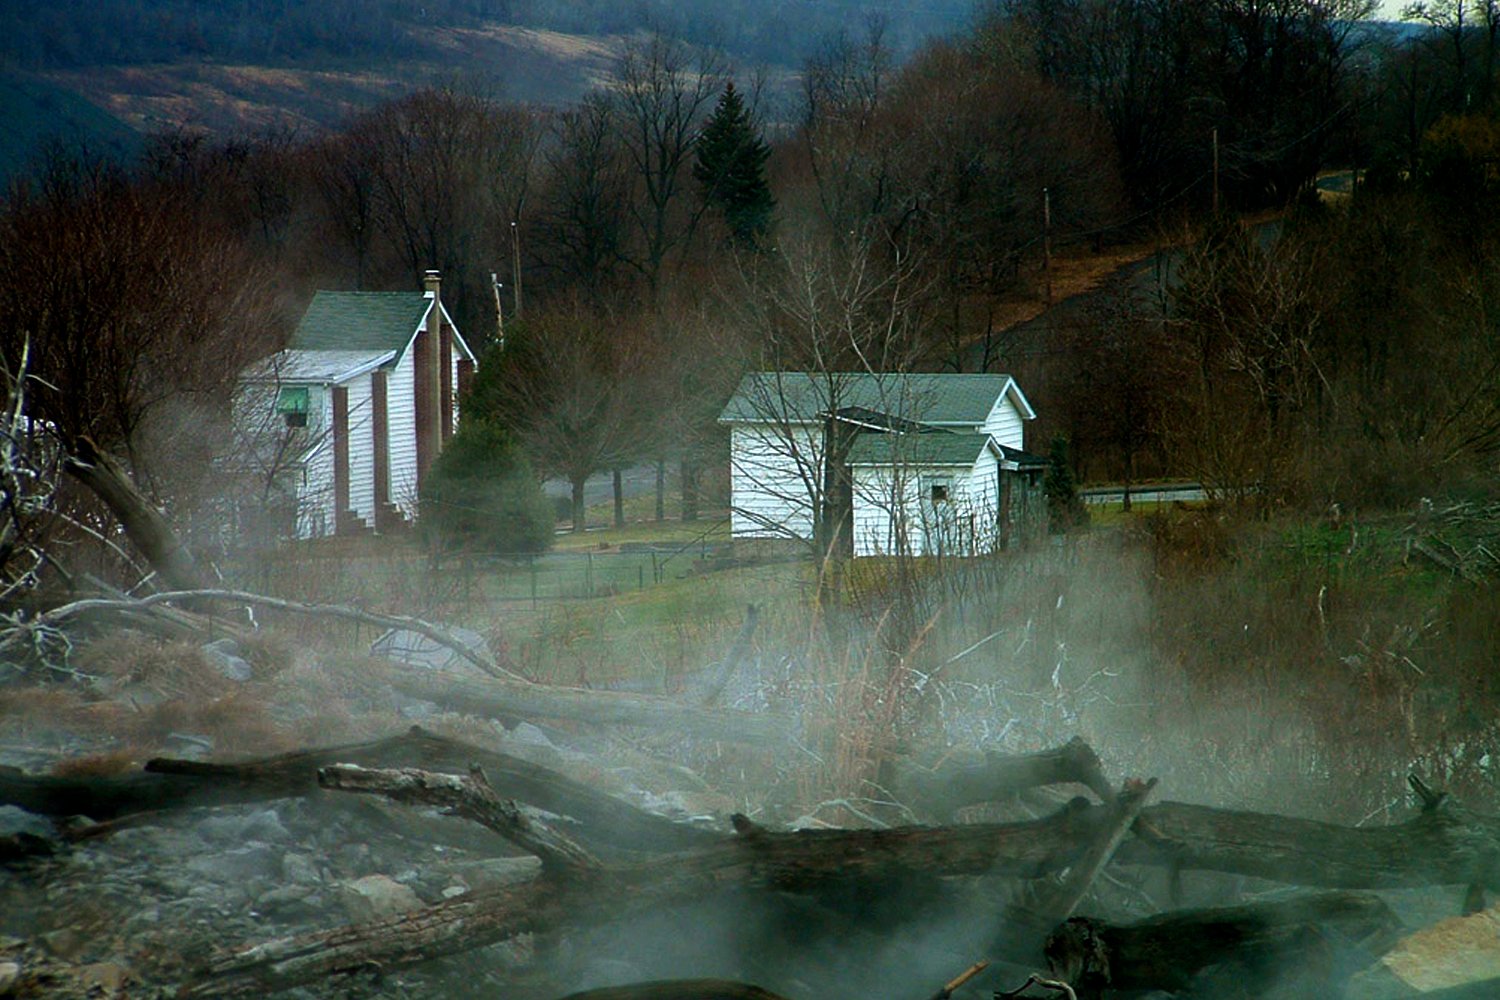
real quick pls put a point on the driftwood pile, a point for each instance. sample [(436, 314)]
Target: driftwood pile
[(617, 862)]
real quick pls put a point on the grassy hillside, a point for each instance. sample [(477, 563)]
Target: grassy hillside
[(39, 112)]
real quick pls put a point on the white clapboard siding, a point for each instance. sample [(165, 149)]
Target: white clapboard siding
[(1004, 423), (361, 449), (773, 476), (893, 513), (455, 355), (315, 491), (401, 421), (885, 501)]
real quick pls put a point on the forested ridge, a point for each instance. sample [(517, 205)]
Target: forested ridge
[(71, 35)]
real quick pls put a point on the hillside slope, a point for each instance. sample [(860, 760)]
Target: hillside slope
[(39, 113)]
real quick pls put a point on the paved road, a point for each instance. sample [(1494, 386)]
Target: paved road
[(1145, 495), (637, 480)]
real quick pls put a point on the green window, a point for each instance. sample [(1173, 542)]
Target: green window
[(292, 403)]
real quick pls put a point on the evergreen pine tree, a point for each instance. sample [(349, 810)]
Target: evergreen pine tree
[(1065, 509), (731, 168)]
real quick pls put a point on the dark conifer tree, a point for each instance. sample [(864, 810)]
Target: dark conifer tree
[(731, 168)]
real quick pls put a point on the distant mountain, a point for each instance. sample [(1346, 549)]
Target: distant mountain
[(38, 114), (277, 32), (254, 65)]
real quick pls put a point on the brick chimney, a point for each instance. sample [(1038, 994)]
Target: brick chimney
[(427, 376)]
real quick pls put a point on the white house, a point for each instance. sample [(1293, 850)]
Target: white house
[(348, 419), (916, 464)]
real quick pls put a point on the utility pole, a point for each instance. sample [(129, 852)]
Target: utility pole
[(499, 313), (1216, 170), (515, 246), (1047, 239)]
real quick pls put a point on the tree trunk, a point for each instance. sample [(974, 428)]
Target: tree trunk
[(689, 490), (144, 525), (619, 488), (661, 491), (578, 504)]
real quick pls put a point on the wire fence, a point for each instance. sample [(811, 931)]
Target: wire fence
[(415, 581)]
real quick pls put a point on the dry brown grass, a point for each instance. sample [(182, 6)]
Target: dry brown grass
[(100, 765)]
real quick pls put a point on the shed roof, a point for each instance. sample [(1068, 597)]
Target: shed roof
[(944, 448), (293, 365), (930, 398), (361, 321)]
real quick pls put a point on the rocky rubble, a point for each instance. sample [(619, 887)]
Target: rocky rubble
[(133, 911)]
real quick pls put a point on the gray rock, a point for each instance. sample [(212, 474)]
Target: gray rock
[(376, 896), (9, 973), (264, 824), (223, 655), (14, 820), (299, 869), (230, 827), (64, 942), (286, 899), (496, 873), (416, 709), (239, 865), (526, 733)]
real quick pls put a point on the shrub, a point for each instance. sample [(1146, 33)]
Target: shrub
[(1065, 510), (481, 494)]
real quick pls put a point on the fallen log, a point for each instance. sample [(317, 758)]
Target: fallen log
[(804, 861), (1169, 951), (170, 784), (679, 989), (940, 788), (1445, 844), (492, 699), (1438, 847)]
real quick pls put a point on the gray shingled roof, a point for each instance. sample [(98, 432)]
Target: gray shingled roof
[(292, 365), (917, 449), (803, 396), (360, 321)]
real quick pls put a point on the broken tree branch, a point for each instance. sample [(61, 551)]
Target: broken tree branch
[(1055, 985), (97, 605), (472, 798), (1053, 903), (144, 524), (955, 781), (168, 784)]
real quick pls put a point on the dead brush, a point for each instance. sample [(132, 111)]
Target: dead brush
[(164, 669), (867, 701)]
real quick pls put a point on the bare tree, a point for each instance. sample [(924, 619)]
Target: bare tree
[(665, 89), (581, 223)]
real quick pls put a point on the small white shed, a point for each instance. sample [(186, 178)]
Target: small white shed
[(920, 463), (348, 419)]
